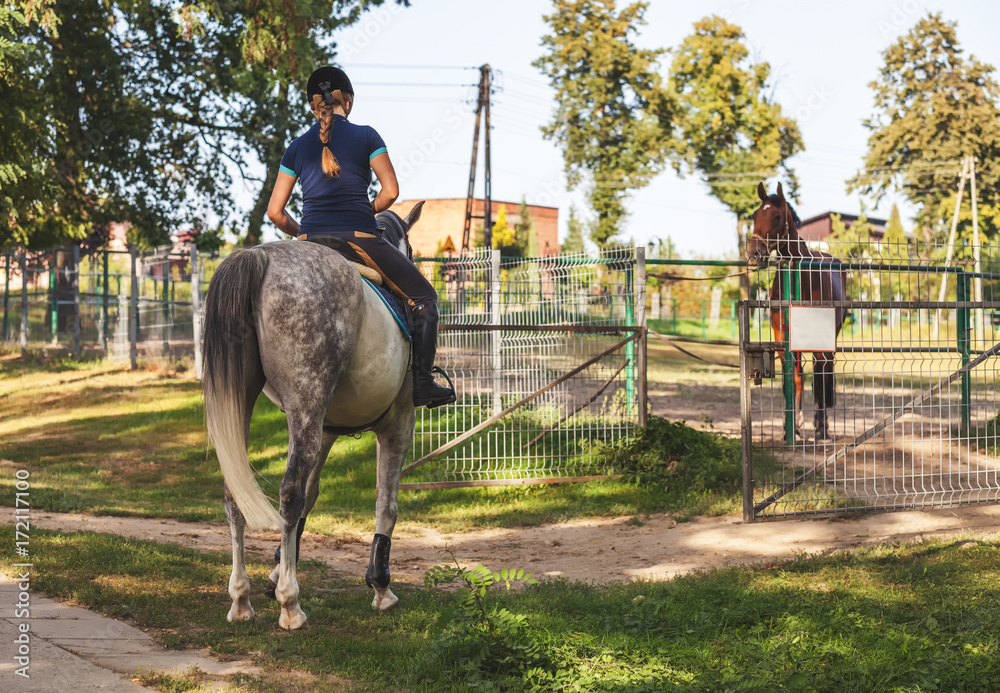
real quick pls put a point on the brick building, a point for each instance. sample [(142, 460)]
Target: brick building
[(443, 220), (819, 227)]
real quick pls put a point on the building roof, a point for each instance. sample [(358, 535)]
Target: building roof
[(846, 218)]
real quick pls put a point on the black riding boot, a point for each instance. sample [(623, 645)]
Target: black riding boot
[(426, 392)]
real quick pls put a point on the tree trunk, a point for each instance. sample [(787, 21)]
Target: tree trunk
[(260, 206), (271, 153)]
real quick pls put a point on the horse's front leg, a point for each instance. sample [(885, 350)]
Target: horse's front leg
[(394, 434), (239, 583), (304, 443), (823, 393)]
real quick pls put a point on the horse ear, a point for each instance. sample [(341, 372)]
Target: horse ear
[(761, 192), (414, 216), (781, 194)]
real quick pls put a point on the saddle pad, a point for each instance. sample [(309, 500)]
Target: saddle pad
[(394, 306)]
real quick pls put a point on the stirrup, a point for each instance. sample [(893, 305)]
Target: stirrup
[(448, 399)]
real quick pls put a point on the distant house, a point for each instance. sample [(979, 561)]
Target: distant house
[(820, 227), (442, 221)]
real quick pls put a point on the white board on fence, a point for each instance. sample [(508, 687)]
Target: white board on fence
[(812, 329)]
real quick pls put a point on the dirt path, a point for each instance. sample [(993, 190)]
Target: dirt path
[(603, 550)]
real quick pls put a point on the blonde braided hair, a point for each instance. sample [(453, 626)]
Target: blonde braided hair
[(324, 111)]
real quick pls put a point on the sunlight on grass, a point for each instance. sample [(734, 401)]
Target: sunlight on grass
[(108, 440)]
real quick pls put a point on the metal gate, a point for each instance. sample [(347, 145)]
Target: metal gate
[(915, 419), (548, 361)]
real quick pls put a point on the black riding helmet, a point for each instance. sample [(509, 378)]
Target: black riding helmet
[(326, 80)]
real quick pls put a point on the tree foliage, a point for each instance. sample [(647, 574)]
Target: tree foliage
[(573, 243), (524, 232), (731, 133), (933, 106), (117, 110), (613, 113)]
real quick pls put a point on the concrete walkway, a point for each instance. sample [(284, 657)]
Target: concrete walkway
[(73, 649)]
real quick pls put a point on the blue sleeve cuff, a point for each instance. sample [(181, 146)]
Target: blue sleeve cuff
[(380, 150), (285, 169)]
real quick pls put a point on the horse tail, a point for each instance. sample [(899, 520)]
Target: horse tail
[(230, 349)]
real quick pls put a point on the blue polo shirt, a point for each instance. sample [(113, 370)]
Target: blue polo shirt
[(339, 203)]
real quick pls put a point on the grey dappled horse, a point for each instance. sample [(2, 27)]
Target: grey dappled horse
[(295, 320)]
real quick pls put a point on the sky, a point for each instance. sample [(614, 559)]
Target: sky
[(415, 69)]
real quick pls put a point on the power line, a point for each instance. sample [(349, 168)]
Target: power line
[(377, 66), (414, 84)]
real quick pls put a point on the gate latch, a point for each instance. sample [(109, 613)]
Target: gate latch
[(761, 365)]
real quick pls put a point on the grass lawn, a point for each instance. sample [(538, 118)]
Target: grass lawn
[(914, 618), (100, 439)]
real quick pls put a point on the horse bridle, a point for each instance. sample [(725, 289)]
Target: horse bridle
[(787, 218)]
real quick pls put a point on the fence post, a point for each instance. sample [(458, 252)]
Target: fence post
[(196, 309), (495, 335), (962, 289), (788, 363), (77, 345), (24, 304), (640, 304), (133, 311), (105, 312), (166, 305), (6, 297), (54, 297)]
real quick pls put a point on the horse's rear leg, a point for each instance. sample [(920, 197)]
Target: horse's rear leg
[(239, 583), (304, 445), (394, 434), (312, 494)]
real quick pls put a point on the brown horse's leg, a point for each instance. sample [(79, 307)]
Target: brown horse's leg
[(779, 336), (823, 392)]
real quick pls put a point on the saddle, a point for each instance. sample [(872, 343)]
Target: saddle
[(395, 303)]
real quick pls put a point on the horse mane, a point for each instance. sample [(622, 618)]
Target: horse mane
[(775, 200), (394, 227)]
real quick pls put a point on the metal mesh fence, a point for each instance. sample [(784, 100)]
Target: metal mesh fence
[(84, 301), (520, 328), (913, 416)]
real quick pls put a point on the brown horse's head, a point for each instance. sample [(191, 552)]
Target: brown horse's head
[(774, 221)]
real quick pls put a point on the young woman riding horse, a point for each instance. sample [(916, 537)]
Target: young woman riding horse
[(775, 228), (334, 160), (297, 322)]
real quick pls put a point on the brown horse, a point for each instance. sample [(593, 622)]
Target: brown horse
[(775, 228)]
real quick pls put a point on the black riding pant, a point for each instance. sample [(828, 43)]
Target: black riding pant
[(397, 271)]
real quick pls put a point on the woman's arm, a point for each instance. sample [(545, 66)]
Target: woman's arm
[(387, 180), (276, 207)]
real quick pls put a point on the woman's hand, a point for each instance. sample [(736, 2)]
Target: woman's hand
[(280, 195), (387, 181)]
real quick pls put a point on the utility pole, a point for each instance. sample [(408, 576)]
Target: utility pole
[(482, 111)]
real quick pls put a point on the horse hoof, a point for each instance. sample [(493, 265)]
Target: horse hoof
[(385, 600), (271, 587), (241, 613), (292, 619)]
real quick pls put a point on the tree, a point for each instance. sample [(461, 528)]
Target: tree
[(731, 133), (894, 243), (524, 232), (503, 236), (133, 112), (613, 114), (933, 107), (573, 243)]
